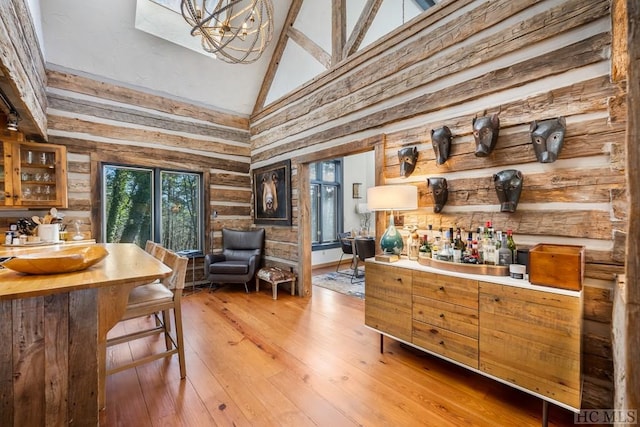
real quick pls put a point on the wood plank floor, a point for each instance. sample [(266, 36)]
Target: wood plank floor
[(253, 361)]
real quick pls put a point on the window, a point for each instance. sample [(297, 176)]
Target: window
[(143, 204), (326, 202)]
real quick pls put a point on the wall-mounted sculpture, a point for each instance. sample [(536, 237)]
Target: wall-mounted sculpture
[(547, 137), (439, 192), (408, 157), (485, 133), (441, 139), (508, 185)]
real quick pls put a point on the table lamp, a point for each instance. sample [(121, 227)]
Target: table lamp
[(392, 198)]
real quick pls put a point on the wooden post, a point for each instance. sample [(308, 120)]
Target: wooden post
[(626, 311)]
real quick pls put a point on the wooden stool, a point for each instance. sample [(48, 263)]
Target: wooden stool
[(275, 276)]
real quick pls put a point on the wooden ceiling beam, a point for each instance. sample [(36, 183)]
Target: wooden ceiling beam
[(365, 20), (267, 81), (321, 55), (338, 29)]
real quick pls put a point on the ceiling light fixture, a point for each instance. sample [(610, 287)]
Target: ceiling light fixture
[(12, 116), (236, 31)]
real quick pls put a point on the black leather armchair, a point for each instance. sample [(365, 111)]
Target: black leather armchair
[(240, 258)]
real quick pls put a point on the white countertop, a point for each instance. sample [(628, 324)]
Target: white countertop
[(501, 280)]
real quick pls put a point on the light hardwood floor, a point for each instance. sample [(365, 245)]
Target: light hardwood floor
[(253, 361)]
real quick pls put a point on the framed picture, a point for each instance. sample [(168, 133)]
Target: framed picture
[(272, 194)]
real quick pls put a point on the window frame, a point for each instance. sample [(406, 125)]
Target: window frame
[(156, 172), (339, 185)]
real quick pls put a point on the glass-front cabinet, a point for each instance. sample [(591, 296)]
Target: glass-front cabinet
[(33, 175)]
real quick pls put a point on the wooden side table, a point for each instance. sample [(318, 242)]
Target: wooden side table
[(275, 276)]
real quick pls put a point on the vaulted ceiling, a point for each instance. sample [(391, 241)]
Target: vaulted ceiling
[(125, 42)]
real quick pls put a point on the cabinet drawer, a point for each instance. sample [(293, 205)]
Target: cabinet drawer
[(455, 318), (388, 282), (446, 343), (387, 316), (454, 290), (533, 339)]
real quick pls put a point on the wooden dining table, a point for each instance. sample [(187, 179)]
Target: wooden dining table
[(53, 331)]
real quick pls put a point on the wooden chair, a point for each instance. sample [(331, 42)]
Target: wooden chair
[(157, 299)]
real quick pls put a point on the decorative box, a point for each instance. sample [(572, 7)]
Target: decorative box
[(559, 266)]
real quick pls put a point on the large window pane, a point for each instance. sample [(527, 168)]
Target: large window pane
[(326, 201), (180, 207), (329, 213), (128, 205), (141, 204), (315, 224)]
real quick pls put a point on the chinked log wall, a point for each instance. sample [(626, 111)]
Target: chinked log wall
[(526, 60), (102, 122)]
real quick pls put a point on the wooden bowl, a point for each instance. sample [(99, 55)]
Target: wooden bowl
[(62, 260)]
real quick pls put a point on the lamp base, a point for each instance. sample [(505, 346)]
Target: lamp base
[(391, 241)]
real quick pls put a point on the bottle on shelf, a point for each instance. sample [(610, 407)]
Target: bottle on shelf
[(505, 257), (511, 244), (479, 249), (458, 247), (489, 245)]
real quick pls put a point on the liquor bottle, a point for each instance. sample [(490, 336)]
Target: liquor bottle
[(468, 249), (479, 238), (505, 257), (458, 247), (511, 244), (489, 245)]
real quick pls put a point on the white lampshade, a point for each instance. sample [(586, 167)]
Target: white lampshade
[(392, 197)]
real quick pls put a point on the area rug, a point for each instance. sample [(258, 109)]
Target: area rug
[(340, 282)]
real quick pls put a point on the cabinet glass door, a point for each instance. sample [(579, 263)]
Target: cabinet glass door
[(40, 175)]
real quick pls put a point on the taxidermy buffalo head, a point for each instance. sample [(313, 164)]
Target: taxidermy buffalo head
[(547, 137), (441, 139), (508, 185), (485, 133), (439, 192), (408, 157)]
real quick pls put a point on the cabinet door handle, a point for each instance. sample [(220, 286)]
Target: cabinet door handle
[(399, 279), (496, 299), (442, 288), (442, 315), (441, 342)]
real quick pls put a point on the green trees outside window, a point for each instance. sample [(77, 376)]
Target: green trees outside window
[(142, 203)]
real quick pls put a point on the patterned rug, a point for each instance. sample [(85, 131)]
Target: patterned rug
[(340, 282)]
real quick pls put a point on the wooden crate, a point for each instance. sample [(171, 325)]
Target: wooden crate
[(559, 266)]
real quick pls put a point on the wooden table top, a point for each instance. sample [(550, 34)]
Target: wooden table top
[(125, 263)]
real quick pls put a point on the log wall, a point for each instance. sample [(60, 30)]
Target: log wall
[(102, 122), (523, 59)]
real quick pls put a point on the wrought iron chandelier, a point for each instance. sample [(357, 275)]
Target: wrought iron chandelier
[(236, 31)]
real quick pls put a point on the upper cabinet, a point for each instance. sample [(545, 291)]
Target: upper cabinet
[(33, 175)]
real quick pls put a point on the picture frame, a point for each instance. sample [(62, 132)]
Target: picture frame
[(272, 194)]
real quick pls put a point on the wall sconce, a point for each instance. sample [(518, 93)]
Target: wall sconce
[(355, 190), (390, 198)]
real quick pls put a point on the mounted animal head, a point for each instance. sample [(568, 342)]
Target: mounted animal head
[(485, 133), (408, 157), (269, 185), (547, 137), (439, 192), (508, 185), (441, 140)]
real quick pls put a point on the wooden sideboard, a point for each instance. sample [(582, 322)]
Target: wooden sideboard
[(520, 334)]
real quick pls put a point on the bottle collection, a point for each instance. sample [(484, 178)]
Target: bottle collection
[(485, 246)]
